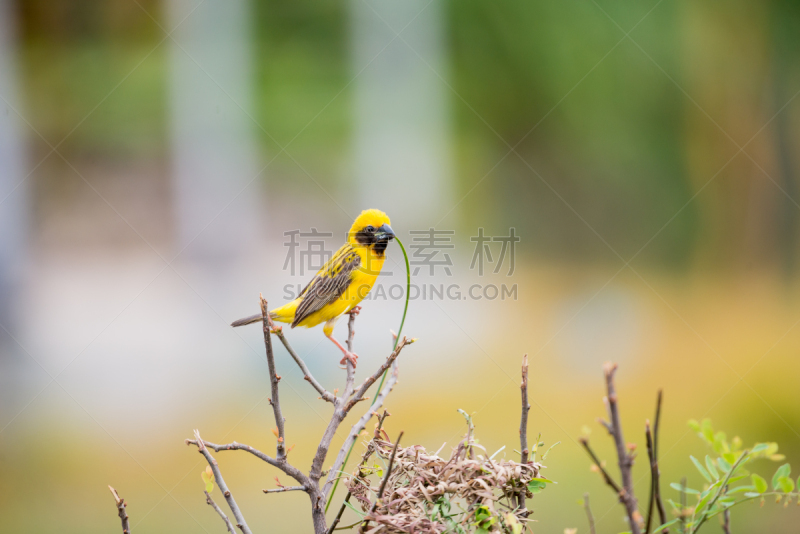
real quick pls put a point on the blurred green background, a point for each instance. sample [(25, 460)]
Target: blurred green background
[(153, 153)]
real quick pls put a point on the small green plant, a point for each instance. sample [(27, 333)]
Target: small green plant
[(728, 482)]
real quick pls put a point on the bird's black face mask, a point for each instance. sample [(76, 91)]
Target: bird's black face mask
[(377, 238)]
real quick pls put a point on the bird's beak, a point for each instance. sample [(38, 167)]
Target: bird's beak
[(384, 233)]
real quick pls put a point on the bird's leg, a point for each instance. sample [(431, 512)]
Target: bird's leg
[(352, 356), (355, 311)]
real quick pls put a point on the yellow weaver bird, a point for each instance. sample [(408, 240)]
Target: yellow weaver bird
[(342, 282)]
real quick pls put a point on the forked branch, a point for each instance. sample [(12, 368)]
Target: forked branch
[(655, 475), (625, 454), (237, 514)]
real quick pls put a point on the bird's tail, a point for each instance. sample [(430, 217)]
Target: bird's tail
[(249, 320)]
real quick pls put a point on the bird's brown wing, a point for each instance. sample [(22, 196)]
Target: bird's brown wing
[(328, 284)]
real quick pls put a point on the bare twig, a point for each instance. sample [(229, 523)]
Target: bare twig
[(283, 465), (371, 380), (358, 427), (599, 464), (625, 458), (217, 509), (123, 515), (325, 394), (342, 405), (364, 458), (383, 482), (662, 513), (589, 514), (523, 430), (285, 488), (655, 483), (351, 370), (351, 331), (237, 514), (726, 521), (273, 378)]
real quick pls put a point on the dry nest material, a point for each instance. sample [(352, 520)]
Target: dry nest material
[(428, 494)]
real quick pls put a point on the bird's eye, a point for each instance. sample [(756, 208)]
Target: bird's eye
[(370, 228)]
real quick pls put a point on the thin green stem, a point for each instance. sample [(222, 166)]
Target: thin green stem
[(720, 491), (383, 378)]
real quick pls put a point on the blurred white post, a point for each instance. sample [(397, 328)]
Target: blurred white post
[(214, 151), (402, 151), (14, 201)]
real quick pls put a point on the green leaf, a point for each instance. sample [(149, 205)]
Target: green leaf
[(694, 425), (700, 468), (711, 469), (550, 449), (783, 471), (720, 443), (675, 506), (704, 500), (724, 464), (208, 478), (786, 484), (536, 485), (740, 489), (752, 495), (759, 483), (666, 525), (707, 431), (760, 447), (730, 457), (678, 487)]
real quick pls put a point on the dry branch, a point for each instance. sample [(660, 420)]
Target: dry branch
[(599, 465), (359, 394), (624, 457), (309, 483), (237, 514), (589, 515), (285, 488), (283, 465), (523, 429), (358, 427), (655, 482), (274, 379), (385, 480), (364, 458), (123, 515), (307, 376), (217, 509)]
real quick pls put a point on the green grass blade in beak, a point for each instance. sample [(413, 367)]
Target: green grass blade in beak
[(384, 233)]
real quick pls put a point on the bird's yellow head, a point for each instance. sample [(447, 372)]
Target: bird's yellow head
[(371, 230)]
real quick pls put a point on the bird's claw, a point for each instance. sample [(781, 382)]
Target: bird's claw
[(355, 311), (352, 357)]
